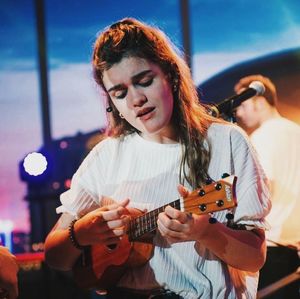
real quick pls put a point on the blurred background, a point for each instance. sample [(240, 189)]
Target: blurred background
[(49, 103)]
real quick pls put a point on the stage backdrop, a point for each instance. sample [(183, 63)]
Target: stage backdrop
[(225, 36)]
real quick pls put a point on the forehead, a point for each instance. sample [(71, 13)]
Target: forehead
[(126, 69)]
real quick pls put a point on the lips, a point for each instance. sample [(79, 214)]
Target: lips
[(144, 111)]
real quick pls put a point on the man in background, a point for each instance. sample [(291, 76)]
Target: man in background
[(277, 142)]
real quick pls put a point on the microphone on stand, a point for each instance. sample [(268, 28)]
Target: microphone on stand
[(227, 106)]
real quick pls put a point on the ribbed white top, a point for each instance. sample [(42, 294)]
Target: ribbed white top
[(147, 173)]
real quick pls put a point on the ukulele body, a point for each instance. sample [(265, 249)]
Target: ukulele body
[(102, 267)]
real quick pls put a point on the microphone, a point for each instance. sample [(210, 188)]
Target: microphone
[(228, 105)]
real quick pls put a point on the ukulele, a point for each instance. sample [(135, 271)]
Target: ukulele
[(101, 266)]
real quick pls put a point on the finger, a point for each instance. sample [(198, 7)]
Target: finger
[(114, 214), (116, 205), (166, 232), (124, 203), (184, 192), (176, 214), (115, 223), (108, 225), (105, 201), (172, 224), (119, 232), (122, 222)]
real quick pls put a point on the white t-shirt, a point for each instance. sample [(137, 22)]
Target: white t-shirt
[(148, 174), (277, 143)]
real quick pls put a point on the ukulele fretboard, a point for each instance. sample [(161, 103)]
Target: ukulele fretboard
[(148, 222)]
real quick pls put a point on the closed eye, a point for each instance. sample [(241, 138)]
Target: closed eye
[(120, 94), (146, 82)]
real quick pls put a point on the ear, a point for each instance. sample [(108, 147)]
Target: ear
[(261, 102)]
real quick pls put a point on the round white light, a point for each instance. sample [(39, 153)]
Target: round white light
[(35, 164)]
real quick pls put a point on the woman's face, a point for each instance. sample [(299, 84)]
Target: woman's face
[(142, 94)]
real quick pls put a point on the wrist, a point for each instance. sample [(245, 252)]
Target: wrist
[(205, 226), (73, 237)]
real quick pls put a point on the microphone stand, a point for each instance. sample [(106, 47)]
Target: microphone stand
[(227, 115)]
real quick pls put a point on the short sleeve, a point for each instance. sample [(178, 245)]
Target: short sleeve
[(84, 194)]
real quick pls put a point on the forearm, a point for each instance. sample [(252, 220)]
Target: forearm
[(60, 253), (104, 226), (242, 249)]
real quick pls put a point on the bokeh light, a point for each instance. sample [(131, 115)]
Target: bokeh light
[(35, 163)]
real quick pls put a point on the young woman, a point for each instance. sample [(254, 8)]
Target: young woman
[(161, 143)]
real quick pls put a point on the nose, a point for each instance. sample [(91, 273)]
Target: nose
[(239, 112), (135, 97)]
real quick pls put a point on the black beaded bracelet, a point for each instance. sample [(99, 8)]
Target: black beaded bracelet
[(72, 236)]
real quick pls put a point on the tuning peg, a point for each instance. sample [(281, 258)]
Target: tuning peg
[(218, 186), (225, 175), (212, 220), (220, 203), (201, 192), (208, 181), (229, 216), (202, 207)]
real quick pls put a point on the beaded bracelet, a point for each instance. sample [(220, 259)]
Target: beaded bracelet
[(72, 236)]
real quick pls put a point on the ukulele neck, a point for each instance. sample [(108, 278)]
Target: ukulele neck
[(147, 223)]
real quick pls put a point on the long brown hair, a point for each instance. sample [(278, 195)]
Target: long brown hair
[(132, 38)]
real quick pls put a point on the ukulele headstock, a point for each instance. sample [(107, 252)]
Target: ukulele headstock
[(214, 197)]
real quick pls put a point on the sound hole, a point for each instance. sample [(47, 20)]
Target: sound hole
[(112, 246)]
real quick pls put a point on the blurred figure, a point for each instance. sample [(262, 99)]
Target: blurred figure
[(277, 141), (8, 274)]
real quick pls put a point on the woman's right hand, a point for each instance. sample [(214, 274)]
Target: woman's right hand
[(105, 225)]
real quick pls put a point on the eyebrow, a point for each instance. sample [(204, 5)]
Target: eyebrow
[(133, 78)]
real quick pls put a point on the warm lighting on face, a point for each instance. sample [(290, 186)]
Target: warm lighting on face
[(35, 164)]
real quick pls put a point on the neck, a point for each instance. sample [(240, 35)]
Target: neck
[(270, 113), (167, 136), (265, 113)]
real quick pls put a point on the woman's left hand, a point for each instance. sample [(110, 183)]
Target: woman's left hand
[(178, 226)]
